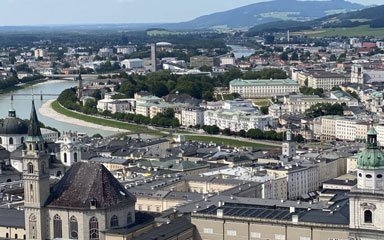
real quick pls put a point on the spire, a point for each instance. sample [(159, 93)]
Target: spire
[(34, 129)]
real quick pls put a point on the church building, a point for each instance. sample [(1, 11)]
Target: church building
[(85, 203)]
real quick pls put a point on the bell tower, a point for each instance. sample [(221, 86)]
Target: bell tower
[(367, 198), (289, 147), (35, 178)]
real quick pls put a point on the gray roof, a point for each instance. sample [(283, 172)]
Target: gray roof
[(89, 181), (11, 218)]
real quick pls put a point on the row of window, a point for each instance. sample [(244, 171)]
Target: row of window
[(369, 176), (11, 141)]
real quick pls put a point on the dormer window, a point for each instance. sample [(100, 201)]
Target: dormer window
[(93, 203)]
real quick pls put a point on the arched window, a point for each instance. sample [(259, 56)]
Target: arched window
[(57, 227), (16, 237), (129, 218), (73, 228), (65, 157), (1, 140), (75, 157), (10, 141), (93, 229), (22, 139), (30, 147), (42, 168), (367, 216), (32, 227), (30, 167), (114, 221)]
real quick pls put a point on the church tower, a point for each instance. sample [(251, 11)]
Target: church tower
[(367, 198), (70, 151), (36, 179), (289, 147)]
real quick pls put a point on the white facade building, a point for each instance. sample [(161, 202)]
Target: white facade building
[(263, 88), (192, 117), (132, 63), (237, 121)]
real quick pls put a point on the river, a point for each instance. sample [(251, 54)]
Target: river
[(22, 104)]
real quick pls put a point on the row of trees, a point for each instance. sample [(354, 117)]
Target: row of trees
[(252, 133)]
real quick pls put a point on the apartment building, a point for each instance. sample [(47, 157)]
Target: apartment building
[(326, 80), (340, 128), (192, 117), (262, 88)]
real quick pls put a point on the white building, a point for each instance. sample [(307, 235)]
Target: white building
[(340, 128), (278, 110), (105, 52), (192, 117), (227, 61), (263, 88), (41, 53), (300, 180), (237, 121), (125, 49), (132, 63), (326, 80)]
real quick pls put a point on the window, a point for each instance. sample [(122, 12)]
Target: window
[(57, 227), (208, 230), (114, 221), (75, 157), (10, 141), (279, 237), (1, 140), (129, 218), (255, 235), (367, 216), (93, 229), (73, 228), (42, 168), (22, 140), (30, 167), (32, 227), (65, 157), (368, 176), (379, 176), (231, 233)]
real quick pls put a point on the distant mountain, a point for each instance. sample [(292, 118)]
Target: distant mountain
[(370, 16), (265, 12)]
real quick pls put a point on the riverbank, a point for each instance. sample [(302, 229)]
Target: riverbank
[(15, 88), (47, 111)]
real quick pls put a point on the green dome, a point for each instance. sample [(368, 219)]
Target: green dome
[(372, 157)]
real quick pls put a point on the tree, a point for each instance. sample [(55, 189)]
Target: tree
[(264, 109), (295, 56), (284, 56), (333, 58), (211, 129)]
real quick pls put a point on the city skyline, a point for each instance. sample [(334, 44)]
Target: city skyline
[(94, 12)]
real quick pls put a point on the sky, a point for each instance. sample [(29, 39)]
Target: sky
[(48, 12)]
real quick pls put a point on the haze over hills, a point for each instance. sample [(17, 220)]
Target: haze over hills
[(373, 17), (271, 11)]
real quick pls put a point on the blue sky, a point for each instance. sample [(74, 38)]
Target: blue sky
[(42, 12)]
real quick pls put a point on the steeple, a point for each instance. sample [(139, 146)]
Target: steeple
[(34, 133)]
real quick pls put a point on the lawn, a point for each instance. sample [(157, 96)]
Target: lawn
[(363, 30), (101, 121), (228, 142)]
